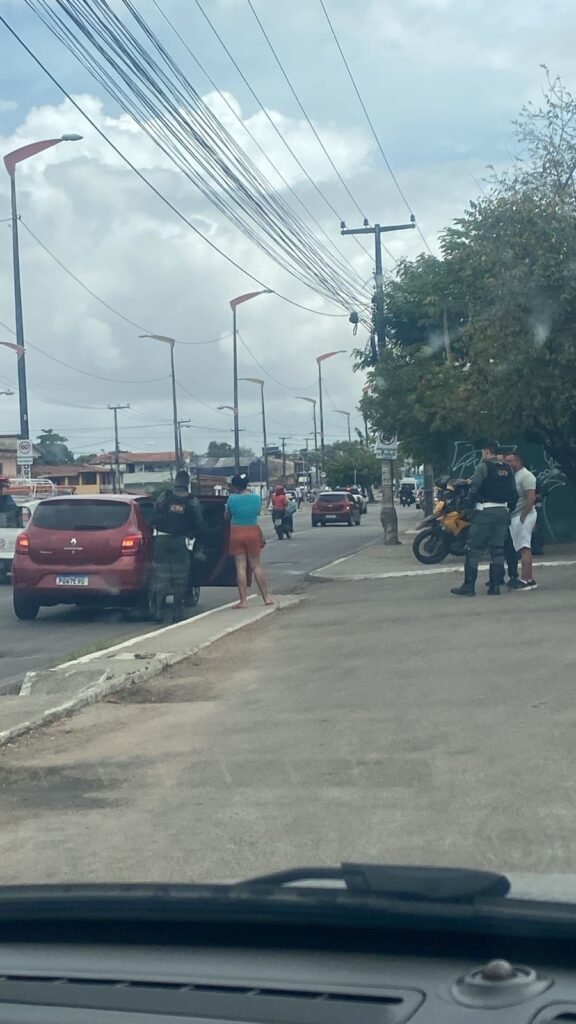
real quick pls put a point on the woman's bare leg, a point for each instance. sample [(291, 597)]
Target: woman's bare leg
[(260, 577), (242, 582)]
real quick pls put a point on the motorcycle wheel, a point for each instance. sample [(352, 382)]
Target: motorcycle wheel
[(430, 547)]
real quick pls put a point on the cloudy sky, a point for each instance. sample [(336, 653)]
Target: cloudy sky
[(442, 80)]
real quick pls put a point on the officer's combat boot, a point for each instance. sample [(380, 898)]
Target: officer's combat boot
[(178, 608), (495, 579), (467, 588)]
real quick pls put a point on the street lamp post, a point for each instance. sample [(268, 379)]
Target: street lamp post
[(257, 380), (320, 360), (313, 404), (10, 161), (343, 412), (234, 303), (171, 341)]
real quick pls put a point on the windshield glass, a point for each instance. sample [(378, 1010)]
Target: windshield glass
[(81, 515), (253, 255)]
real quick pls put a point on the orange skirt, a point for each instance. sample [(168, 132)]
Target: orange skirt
[(246, 540)]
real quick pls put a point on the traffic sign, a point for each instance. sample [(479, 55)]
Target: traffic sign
[(24, 452), (24, 447), (386, 451), (388, 440)]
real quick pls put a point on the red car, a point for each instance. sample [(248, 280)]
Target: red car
[(97, 550), (335, 507)]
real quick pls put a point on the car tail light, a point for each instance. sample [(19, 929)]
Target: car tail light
[(23, 543), (132, 543)]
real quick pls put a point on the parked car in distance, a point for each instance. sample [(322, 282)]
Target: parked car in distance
[(335, 507)]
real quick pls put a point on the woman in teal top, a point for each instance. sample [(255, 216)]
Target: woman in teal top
[(246, 538)]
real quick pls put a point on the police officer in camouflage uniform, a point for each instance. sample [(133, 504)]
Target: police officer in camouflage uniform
[(176, 516), (494, 491)]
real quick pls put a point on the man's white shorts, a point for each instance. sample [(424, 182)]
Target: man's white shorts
[(521, 533)]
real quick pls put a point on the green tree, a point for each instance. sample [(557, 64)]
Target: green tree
[(223, 450), (482, 341), (343, 460), (53, 449)]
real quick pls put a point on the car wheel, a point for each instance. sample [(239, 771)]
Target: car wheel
[(25, 608)]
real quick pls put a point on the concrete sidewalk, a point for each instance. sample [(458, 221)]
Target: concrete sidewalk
[(377, 562), (53, 693), (386, 723)]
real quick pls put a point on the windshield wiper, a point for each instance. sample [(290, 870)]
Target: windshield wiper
[(453, 885)]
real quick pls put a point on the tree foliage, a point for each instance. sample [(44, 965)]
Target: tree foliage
[(53, 449), (223, 450), (483, 340), (343, 459)]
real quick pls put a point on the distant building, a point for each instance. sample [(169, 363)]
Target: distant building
[(142, 471), (80, 478)]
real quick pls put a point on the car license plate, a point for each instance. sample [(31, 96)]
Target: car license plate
[(331, 517), (72, 581)]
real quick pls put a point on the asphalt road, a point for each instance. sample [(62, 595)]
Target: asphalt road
[(63, 632)]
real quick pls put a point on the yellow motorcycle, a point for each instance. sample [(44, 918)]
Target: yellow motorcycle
[(445, 532)]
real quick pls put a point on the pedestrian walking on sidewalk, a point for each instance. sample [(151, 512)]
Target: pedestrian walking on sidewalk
[(523, 521), (493, 489), (246, 538)]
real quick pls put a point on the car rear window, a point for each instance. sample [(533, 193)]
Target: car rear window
[(81, 515), (332, 497)]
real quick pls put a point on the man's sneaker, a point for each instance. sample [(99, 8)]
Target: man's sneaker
[(527, 585), (514, 584)]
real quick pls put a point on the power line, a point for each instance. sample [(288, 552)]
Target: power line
[(288, 387), (209, 341), (272, 123), (301, 106), (176, 118), (85, 373), (370, 123), (81, 283), (251, 135), (147, 181)]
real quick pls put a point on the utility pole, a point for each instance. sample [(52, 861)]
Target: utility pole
[(115, 409), (180, 424), (284, 439), (388, 516)]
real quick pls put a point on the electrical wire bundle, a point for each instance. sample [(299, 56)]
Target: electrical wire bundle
[(137, 70)]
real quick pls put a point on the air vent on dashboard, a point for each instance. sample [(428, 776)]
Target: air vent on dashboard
[(260, 1005)]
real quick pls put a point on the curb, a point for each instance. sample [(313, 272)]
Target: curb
[(320, 574), (110, 679)]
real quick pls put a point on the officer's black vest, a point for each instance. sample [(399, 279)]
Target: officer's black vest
[(172, 515), (499, 485)]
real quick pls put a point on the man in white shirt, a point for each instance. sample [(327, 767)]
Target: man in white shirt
[(523, 521)]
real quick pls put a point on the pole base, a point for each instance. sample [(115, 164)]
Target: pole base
[(389, 521)]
